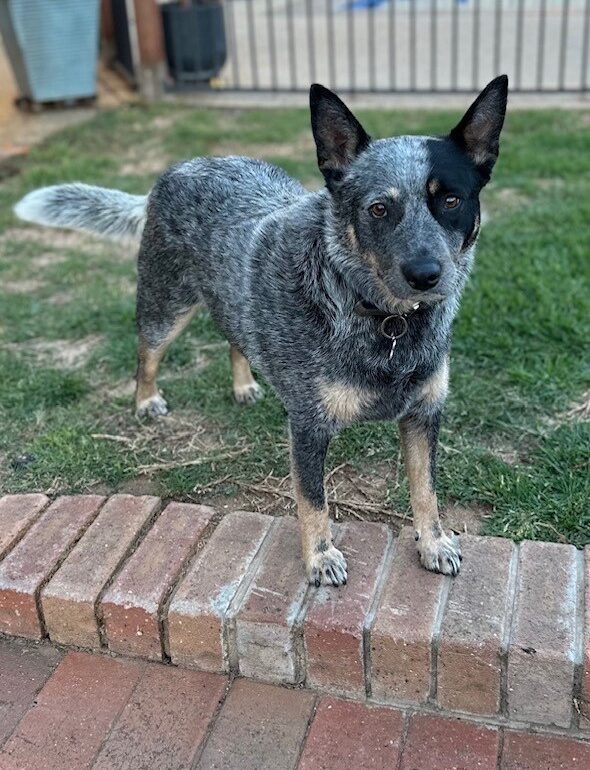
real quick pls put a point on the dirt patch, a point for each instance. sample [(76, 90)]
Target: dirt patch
[(579, 411), (61, 298), (465, 519), (145, 158), (140, 486), (550, 184), (352, 494), (123, 389), (144, 166), (302, 146), (66, 354), (54, 238), (28, 286), (47, 259), (505, 200), (84, 243), (164, 122)]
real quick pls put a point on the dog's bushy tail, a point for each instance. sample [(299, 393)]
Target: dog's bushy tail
[(77, 206)]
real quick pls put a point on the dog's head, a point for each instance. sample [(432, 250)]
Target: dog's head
[(406, 209)]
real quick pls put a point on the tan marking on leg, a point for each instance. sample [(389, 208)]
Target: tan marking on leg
[(417, 460), (435, 389), (344, 402), (438, 551), (149, 359), (246, 389), (316, 534)]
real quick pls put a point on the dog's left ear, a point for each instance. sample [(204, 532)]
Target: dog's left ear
[(339, 137), (478, 133)]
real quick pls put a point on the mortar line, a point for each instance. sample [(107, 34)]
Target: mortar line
[(193, 557), (114, 722), (373, 607), (578, 640), (403, 739), (26, 529), (310, 721), (510, 612), (229, 632), (445, 591), (194, 761), (129, 551), (57, 565), (298, 636)]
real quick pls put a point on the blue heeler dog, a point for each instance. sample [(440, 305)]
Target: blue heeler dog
[(343, 299)]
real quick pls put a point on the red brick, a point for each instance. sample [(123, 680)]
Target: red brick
[(199, 607), (585, 695), (404, 627), (23, 672), (542, 654), (266, 636), (474, 627), (267, 725), (524, 751), (346, 734), (17, 513), (73, 714), (34, 560), (164, 721), (434, 743), (69, 599), (333, 630), (131, 606)]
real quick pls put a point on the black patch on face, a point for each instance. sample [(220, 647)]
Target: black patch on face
[(454, 174)]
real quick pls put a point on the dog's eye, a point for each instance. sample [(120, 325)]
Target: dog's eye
[(451, 201), (378, 210)]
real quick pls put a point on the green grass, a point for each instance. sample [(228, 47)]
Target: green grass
[(521, 354)]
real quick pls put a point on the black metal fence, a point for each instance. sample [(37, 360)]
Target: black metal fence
[(430, 46)]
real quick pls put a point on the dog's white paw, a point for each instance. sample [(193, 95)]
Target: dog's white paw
[(327, 568), (248, 394), (155, 406), (440, 553)]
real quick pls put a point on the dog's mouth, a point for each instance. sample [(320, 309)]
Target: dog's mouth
[(402, 305)]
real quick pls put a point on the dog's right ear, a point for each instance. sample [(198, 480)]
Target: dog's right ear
[(339, 137)]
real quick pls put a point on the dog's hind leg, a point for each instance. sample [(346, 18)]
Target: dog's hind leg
[(439, 552), (153, 344), (324, 563), (246, 389)]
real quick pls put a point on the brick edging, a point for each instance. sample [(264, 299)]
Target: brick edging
[(507, 641)]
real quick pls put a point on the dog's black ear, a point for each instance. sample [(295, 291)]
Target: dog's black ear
[(478, 133), (339, 137)]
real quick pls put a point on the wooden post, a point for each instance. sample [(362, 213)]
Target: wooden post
[(147, 43)]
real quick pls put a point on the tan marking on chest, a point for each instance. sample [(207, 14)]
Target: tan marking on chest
[(435, 389), (344, 402)]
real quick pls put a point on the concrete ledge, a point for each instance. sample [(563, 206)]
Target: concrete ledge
[(506, 641)]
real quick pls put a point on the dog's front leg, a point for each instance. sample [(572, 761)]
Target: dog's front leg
[(439, 552), (324, 563)]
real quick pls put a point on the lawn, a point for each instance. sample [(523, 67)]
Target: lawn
[(515, 445)]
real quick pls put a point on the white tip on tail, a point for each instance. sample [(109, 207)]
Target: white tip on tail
[(77, 206), (31, 207)]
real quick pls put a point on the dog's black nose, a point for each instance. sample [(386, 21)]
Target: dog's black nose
[(422, 275)]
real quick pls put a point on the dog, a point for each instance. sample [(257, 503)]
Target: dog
[(343, 299)]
